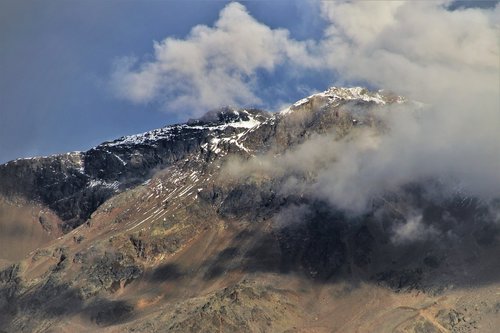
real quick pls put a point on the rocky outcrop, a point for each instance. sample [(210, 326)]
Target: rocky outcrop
[(75, 184)]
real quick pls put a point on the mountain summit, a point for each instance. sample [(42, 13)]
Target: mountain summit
[(220, 224)]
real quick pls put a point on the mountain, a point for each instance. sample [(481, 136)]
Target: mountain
[(212, 226)]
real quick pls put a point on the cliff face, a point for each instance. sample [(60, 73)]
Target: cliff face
[(75, 184), (164, 232)]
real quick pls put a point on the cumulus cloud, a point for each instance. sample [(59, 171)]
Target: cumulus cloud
[(212, 66), (418, 48)]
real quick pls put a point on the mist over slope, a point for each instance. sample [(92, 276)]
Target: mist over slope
[(243, 220), (351, 210)]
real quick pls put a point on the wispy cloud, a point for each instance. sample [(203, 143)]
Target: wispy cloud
[(413, 229)]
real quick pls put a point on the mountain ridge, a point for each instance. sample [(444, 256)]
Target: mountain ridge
[(160, 234), (98, 171)]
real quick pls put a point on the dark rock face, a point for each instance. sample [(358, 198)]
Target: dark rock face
[(75, 184), (318, 245), (132, 163), (107, 272), (242, 200), (59, 182), (228, 115), (105, 313)]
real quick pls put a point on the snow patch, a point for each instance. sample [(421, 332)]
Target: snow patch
[(98, 182), (338, 94)]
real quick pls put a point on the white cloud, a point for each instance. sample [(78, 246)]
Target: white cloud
[(417, 47), (447, 59), (412, 230), (213, 66)]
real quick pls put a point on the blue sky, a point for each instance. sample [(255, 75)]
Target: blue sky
[(72, 73), (55, 58)]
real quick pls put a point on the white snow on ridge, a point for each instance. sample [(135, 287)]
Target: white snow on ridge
[(250, 123), (302, 101), (354, 93), (167, 132), (162, 133), (333, 94), (71, 154), (98, 182), (346, 94), (120, 159), (285, 111), (214, 145)]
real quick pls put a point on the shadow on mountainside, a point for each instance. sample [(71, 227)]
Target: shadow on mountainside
[(26, 307), (28, 310), (406, 242), (456, 247)]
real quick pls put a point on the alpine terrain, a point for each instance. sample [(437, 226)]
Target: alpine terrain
[(225, 224)]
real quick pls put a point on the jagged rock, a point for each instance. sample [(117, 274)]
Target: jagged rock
[(108, 272)]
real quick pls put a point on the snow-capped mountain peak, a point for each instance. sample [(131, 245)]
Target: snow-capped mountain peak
[(344, 94), (216, 120)]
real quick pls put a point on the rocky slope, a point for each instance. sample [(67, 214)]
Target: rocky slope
[(156, 233)]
